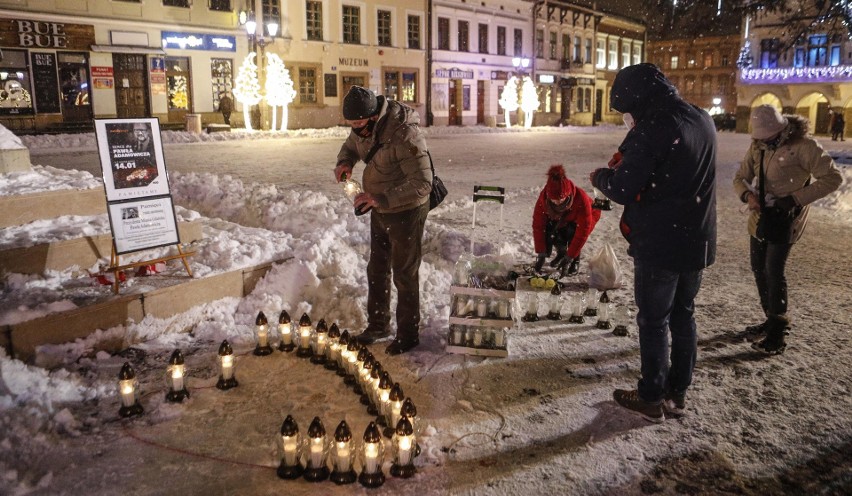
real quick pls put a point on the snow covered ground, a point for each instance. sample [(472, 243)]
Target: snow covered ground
[(540, 421)]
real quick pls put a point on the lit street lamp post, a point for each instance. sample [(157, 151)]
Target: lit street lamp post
[(257, 44)]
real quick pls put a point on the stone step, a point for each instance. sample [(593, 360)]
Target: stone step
[(171, 296), (22, 209), (82, 252)]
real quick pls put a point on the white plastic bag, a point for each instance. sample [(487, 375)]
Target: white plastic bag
[(604, 272)]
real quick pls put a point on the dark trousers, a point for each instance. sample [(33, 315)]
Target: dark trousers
[(666, 305), (558, 236), (767, 263), (395, 247), (227, 117)]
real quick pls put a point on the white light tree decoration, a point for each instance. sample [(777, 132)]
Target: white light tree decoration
[(529, 101), (279, 88), (509, 99), (247, 87)]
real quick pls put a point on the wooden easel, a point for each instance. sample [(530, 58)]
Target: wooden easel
[(115, 268)]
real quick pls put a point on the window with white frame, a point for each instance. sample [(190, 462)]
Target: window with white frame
[(414, 31), (625, 53), (613, 55), (600, 52), (351, 24), (577, 48), (588, 58), (637, 54), (308, 84), (383, 26), (313, 20), (674, 61)]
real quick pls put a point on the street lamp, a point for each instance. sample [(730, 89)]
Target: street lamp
[(257, 43), (521, 64)]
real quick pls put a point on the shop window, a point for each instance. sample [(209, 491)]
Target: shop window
[(15, 84), (74, 80), (307, 85), (401, 85), (177, 80), (580, 107), (351, 25), (222, 78), (414, 32), (588, 94), (220, 5), (384, 27), (313, 20)]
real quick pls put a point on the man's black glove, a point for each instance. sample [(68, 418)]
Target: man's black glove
[(787, 203), (539, 262)]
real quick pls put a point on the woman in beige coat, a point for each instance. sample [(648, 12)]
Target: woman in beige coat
[(796, 172)]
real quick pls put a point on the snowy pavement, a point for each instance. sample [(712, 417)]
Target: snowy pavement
[(540, 421)]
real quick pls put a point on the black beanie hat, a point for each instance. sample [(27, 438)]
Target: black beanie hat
[(359, 103)]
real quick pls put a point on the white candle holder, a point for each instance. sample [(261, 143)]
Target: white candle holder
[(621, 316), (342, 353), (372, 454), (333, 348), (342, 456), (315, 452), (227, 380), (262, 335), (127, 386), (305, 331), (285, 333), (591, 303), (176, 373), (319, 342), (290, 450), (604, 312), (404, 444)]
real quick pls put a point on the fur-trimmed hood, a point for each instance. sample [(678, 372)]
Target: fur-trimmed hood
[(797, 128)]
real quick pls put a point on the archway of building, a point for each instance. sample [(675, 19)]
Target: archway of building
[(815, 107), (764, 99)]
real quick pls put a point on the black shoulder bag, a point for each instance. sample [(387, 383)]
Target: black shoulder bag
[(439, 191), (774, 224)]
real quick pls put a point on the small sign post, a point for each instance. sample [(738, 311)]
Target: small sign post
[(139, 204)]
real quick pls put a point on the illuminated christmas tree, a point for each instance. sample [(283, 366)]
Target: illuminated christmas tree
[(279, 88), (509, 99), (529, 101), (246, 87)]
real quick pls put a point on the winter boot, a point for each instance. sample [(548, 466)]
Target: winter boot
[(630, 400), (774, 343), (754, 333), (674, 404), (560, 256), (372, 334), (572, 269)]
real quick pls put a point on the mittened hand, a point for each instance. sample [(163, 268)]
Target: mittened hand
[(615, 161), (539, 262), (786, 203)]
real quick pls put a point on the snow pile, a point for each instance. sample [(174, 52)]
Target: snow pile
[(8, 140), (46, 178)]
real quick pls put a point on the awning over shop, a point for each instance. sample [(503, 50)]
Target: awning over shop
[(128, 49)]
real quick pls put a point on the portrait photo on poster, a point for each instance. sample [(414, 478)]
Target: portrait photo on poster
[(131, 155), (143, 224)]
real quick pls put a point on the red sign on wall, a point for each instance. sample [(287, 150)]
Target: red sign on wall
[(102, 72)]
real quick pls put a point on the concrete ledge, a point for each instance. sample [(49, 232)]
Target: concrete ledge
[(15, 160), (82, 252), (21, 209), (22, 339)]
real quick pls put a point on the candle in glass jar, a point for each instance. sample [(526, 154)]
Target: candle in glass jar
[(498, 338), (404, 450), (461, 302), (128, 396), (316, 452), (457, 336), (477, 337), (371, 457), (343, 454), (290, 450), (286, 336), (227, 366), (481, 308), (503, 309), (177, 378), (262, 335), (305, 338)]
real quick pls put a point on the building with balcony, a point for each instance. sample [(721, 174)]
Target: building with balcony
[(809, 77)]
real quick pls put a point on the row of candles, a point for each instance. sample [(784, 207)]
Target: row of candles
[(580, 306), (323, 345), (310, 457)]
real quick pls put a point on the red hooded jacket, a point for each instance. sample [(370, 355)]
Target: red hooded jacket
[(579, 211)]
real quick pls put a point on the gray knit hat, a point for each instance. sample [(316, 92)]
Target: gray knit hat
[(766, 122), (359, 103)]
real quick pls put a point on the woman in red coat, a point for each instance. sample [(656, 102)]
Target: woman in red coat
[(563, 217)]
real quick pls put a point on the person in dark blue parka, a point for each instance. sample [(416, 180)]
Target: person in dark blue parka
[(667, 184)]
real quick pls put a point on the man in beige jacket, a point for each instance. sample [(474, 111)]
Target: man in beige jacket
[(397, 182), (783, 172)]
